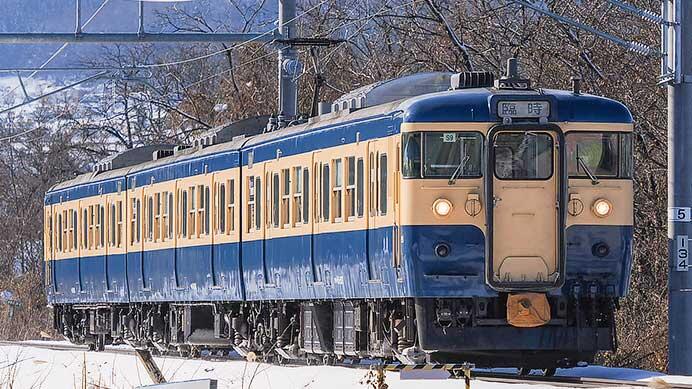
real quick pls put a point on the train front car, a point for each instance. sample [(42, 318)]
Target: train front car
[(516, 222)]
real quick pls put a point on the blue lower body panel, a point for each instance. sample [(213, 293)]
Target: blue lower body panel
[(197, 273), (351, 264), (341, 265), (89, 280)]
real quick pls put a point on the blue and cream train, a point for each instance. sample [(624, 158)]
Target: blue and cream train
[(435, 217)]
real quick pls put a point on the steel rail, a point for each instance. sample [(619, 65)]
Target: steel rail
[(482, 375)]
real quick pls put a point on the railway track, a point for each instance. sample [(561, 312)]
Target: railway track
[(483, 375)]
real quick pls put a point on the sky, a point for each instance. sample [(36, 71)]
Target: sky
[(59, 16)]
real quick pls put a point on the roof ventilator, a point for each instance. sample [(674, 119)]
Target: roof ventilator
[(133, 157), (467, 80)]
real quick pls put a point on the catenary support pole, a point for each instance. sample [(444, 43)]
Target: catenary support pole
[(289, 66), (680, 188)]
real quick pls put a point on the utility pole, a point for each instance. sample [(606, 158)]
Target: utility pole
[(677, 42), (289, 66)]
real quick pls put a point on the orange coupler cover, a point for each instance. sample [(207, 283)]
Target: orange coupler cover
[(528, 310)]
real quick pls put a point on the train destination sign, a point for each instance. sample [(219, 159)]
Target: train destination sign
[(523, 109)]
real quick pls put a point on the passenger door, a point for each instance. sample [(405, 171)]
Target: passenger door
[(525, 196)]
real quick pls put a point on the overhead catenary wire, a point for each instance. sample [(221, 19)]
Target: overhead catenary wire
[(234, 47)]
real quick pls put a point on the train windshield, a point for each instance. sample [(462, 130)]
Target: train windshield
[(603, 155), (442, 154)]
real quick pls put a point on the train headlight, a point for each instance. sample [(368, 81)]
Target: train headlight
[(602, 207), (442, 207)]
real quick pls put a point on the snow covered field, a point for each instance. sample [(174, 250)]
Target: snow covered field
[(32, 367)]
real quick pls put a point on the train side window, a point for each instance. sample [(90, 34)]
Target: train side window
[(285, 197), (111, 231), (231, 206), (351, 188), (139, 220), (184, 216), (102, 223), (383, 184), (306, 196), (297, 211), (171, 215), (258, 196), (207, 210), (360, 186), (325, 192), (221, 208), (275, 200), (49, 241)]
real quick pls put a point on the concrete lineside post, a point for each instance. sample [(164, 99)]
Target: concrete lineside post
[(288, 64), (680, 188)]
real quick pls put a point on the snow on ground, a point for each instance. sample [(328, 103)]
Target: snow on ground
[(32, 367)]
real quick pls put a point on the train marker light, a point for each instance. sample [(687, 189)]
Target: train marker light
[(442, 207), (602, 207)]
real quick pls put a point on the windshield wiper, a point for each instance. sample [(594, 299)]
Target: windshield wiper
[(580, 161), (459, 168)]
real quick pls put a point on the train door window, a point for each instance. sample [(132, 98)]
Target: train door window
[(360, 186), (251, 202), (351, 188), (192, 213), (85, 228), (93, 213), (133, 222), (207, 210), (258, 196), (49, 241), (163, 228), (383, 184), (171, 217), (158, 218), (523, 155), (119, 233), (306, 196), (73, 230), (150, 218), (297, 211), (325, 192), (221, 206), (338, 189), (111, 229), (231, 206), (285, 197), (102, 226), (373, 184), (275, 200), (184, 216), (59, 232), (318, 198)]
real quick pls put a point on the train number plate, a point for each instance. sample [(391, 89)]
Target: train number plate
[(523, 109)]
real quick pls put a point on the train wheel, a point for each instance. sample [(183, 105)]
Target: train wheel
[(523, 371), (549, 372)]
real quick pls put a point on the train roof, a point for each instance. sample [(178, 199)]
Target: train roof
[(457, 105)]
